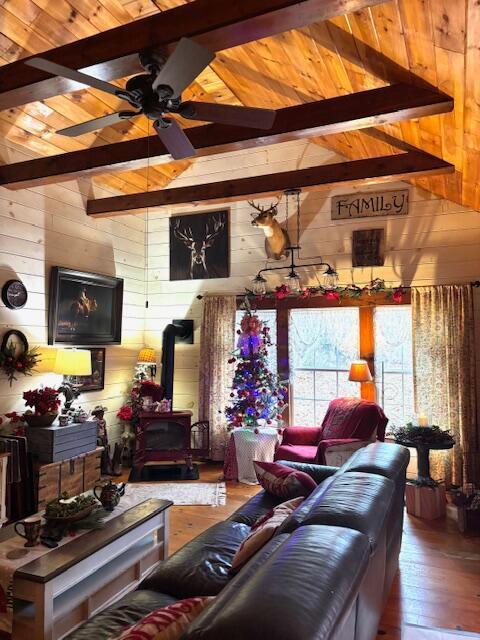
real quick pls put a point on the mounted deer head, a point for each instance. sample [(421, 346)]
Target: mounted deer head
[(276, 238), (266, 214), (198, 257)]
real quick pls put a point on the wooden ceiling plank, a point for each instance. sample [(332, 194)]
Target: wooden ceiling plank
[(215, 24), (355, 172), (354, 111)]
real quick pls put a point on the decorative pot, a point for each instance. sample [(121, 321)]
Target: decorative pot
[(44, 420), (110, 495)]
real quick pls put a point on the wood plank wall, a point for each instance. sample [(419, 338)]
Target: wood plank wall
[(438, 242), (47, 226)]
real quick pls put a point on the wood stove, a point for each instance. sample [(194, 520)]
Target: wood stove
[(163, 437)]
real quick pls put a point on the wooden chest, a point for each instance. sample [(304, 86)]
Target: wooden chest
[(55, 443), (74, 476)]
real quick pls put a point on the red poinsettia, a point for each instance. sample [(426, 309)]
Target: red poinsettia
[(331, 294), (44, 400), (281, 292), (305, 293), (125, 413)]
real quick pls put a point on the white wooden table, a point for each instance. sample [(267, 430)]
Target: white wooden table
[(59, 591)]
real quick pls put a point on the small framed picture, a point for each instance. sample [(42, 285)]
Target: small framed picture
[(96, 381)]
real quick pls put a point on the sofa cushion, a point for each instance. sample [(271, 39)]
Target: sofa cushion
[(167, 623), (358, 501), (319, 472), (262, 531), (297, 452), (282, 481), (276, 600), (255, 508), (110, 622), (201, 567)]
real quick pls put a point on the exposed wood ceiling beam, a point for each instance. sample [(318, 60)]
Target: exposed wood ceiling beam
[(216, 24), (355, 172), (344, 113)]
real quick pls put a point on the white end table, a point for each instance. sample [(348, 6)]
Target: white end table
[(247, 446)]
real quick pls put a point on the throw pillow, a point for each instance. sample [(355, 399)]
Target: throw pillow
[(263, 529), (283, 481), (167, 623)]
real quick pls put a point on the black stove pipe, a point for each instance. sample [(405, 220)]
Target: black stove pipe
[(170, 332)]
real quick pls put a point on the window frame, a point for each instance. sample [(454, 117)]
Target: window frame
[(366, 304)]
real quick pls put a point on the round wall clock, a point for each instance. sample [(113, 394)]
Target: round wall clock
[(14, 294)]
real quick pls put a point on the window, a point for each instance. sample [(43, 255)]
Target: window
[(269, 317), (394, 363), (322, 344)]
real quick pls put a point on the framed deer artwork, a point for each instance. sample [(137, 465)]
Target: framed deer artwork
[(200, 246), (84, 308)]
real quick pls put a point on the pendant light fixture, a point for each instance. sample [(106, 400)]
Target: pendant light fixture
[(292, 279)]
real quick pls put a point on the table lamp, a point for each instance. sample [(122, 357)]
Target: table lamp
[(148, 357), (72, 362), (46, 359), (360, 372)]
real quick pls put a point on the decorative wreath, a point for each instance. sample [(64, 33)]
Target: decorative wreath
[(13, 363)]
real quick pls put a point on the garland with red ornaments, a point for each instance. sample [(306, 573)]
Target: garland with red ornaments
[(351, 291)]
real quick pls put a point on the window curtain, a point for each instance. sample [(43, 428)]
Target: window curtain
[(216, 374), (444, 375)]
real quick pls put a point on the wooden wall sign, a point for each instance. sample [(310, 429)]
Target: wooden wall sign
[(368, 248), (366, 205)]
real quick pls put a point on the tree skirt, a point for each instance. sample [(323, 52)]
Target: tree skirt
[(180, 493)]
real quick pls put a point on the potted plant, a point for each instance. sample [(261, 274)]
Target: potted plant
[(45, 404)]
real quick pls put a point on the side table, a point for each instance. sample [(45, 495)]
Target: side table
[(244, 447)]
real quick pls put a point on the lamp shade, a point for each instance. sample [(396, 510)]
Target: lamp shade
[(147, 356), (46, 359), (73, 362), (360, 372)]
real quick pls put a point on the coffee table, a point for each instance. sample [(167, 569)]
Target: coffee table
[(57, 592)]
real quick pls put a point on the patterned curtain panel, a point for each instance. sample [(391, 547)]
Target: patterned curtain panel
[(217, 344), (444, 375)]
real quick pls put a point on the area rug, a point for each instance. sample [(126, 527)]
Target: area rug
[(414, 632), (180, 493)]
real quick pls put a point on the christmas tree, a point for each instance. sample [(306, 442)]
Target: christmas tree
[(257, 394)]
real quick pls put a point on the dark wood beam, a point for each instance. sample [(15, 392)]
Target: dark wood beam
[(345, 113), (355, 172), (216, 24)]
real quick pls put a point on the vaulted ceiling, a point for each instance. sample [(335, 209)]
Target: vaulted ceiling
[(432, 43)]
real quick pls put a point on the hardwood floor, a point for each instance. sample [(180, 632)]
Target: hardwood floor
[(438, 584)]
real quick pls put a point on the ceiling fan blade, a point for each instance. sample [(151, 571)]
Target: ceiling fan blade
[(173, 137), (97, 123), (65, 72), (228, 114), (183, 66)]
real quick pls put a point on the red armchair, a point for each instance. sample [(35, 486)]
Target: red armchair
[(349, 424)]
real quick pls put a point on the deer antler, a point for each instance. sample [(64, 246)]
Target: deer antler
[(272, 208), (185, 236), (212, 235)]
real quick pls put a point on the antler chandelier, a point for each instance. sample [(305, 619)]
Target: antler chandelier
[(293, 281)]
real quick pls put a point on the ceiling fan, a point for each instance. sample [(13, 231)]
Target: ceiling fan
[(158, 93)]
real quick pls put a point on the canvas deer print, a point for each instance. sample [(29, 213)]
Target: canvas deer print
[(199, 246)]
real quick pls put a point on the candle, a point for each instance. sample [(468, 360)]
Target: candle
[(422, 420)]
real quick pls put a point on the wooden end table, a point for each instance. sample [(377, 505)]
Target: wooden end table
[(59, 591)]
